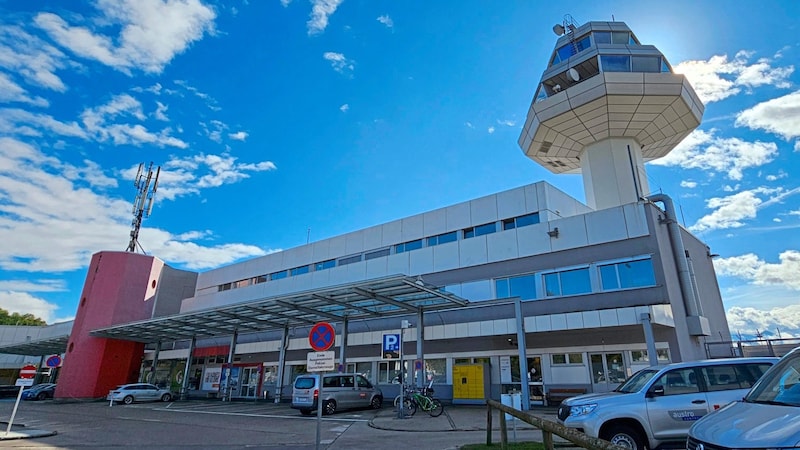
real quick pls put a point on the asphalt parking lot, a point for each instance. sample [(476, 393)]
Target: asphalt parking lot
[(216, 424)]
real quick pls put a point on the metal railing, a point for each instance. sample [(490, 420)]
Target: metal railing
[(759, 347), (548, 428)]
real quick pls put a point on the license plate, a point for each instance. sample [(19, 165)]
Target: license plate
[(301, 399)]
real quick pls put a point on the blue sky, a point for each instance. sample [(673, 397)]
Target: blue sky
[(276, 121)]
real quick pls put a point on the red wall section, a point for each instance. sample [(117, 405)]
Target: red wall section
[(119, 288)]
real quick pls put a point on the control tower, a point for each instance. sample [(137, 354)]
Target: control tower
[(606, 105)]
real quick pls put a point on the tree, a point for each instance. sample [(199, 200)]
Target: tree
[(19, 319)]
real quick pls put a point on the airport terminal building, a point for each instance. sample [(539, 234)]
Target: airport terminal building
[(525, 289)]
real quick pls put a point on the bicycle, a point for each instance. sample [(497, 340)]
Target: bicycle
[(425, 401)]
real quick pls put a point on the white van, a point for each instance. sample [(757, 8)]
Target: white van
[(339, 391), (767, 417)]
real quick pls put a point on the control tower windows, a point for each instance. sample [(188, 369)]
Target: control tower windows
[(574, 47), (627, 63), (613, 37)]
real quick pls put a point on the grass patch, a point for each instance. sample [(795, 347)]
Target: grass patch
[(511, 446)]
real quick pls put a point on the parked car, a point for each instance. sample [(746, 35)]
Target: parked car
[(139, 392), (657, 405), (40, 391), (767, 417), (339, 391)]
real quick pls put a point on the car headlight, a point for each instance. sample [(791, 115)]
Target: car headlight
[(580, 410)]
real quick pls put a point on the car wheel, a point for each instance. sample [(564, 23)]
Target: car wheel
[(166, 397), (329, 407), (305, 412), (625, 436), (376, 402), (41, 396), (128, 399)]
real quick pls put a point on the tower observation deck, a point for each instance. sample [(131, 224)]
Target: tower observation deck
[(606, 104)]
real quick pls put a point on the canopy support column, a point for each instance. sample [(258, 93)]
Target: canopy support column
[(185, 382), (281, 364)]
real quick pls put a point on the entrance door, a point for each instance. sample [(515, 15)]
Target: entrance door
[(608, 371), (249, 382)]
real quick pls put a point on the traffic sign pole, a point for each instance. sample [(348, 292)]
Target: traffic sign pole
[(26, 375)]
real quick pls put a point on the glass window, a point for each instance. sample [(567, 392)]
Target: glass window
[(501, 288), (278, 275), (325, 264), (487, 228), (602, 37), (523, 287), (645, 64), (436, 370), (642, 355), (225, 287), (664, 66), (349, 260), (376, 254), (552, 287), (571, 49), (260, 279), (679, 381), (575, 282), (608, 277), (408, 246), (575, 358), (299, 270), (615, 63), (508, 224), (528, 219), (636, 273), (620, 37), (559, 359)]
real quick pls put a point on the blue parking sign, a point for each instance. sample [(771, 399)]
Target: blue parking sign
[(391, 346)]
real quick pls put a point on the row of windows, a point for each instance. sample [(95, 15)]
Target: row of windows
[(492, 227), (629, 63), (600, 37), (606, 277)]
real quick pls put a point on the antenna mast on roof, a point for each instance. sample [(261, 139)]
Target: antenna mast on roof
[(143, 204)]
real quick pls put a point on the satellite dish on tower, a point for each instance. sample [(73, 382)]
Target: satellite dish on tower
[(558, 29), (573, 74)]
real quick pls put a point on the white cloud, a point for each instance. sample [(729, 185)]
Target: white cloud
[(189, 175), (96, 121), (339, 62), (344, 108), (31, 58), (752, 268), (12, 92), (16, 122), (24, 303), (285, 3), (703, 150), (689, 184), (780, 116), (506, 122), (733, 210), (45, 199), (776, 220), (719, 78), (386, 20), (238, 136), (469, 124), (151, 32), (775, 177), (490, 130), (321, 10), (770, 323), (161, 112)]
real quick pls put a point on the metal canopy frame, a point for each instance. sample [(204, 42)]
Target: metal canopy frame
[(55, 345), (376, 298)]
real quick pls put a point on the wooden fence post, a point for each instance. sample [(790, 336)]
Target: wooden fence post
[(488, 425), (503, 431)]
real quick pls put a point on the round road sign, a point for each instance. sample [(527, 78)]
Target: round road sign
[(321, 336), (27, 371), (53, 361)]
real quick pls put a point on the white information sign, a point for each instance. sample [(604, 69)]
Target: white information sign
[(24, 382), (320, 361), (505, 369)]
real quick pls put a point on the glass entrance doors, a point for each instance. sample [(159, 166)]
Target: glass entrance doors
[(608, 371), (248, 382)]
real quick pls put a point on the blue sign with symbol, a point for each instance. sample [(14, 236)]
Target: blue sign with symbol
[(321, 336), (391, 343)]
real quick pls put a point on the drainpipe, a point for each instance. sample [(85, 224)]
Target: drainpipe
[(674, 231)]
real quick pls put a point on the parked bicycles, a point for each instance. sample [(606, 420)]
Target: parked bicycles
[(421, 399)]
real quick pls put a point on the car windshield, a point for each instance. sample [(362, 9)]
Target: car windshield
[(636, 382), (780, 385), (304, 383)]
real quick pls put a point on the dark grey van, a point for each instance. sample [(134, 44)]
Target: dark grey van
[(339, 391)]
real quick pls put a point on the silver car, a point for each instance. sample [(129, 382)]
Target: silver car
[(339, 391), (139, 392), (768, 417), (657, 405)]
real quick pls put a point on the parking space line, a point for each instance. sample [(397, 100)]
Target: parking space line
[(271, 416)]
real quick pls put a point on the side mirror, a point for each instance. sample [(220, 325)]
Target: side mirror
[(655, 391)]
